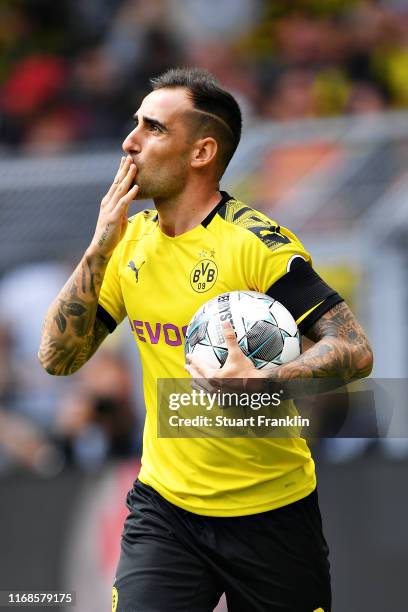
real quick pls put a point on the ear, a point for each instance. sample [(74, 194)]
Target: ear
[(204, 152)]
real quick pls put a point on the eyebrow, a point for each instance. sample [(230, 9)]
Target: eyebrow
[(151, 121)]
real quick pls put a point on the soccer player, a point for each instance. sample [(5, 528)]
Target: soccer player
[(206, 515)]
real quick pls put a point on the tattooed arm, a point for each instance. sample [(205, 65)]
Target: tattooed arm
[(341, 351), (71, 333)]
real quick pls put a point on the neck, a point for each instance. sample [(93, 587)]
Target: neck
[(186, 210)]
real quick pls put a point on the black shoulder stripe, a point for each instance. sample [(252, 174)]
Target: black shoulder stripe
[(234, 211), (255, 222), (106, 318), (301, 289), (270, 236), (242, 211)]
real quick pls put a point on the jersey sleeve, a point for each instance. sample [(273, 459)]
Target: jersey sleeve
[(111, 307), (282, 268)]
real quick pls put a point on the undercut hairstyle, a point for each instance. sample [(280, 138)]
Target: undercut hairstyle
[(216, 112)]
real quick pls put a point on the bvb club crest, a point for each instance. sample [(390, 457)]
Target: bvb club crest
[(203, 275)]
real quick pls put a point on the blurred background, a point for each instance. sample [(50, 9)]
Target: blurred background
[(324, 91)]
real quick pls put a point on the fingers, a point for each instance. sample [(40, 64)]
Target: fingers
[(123, 204), (125, 183), (124, 193), (202, 384), (117, 178), (230, 339), (122, 161), (200, 373), (122, 181), (193, 367), (121, 173), (196, 368)]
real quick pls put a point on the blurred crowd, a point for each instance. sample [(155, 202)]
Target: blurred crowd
[(48, 423), (73, 72)]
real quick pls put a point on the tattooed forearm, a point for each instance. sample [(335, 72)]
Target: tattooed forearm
[(104, 236), (62, 359), (71, 334), (66, 310), (341, 351)]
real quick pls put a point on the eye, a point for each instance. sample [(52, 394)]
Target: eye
[(154, 128)]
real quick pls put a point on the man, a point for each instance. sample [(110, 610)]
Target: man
[(207, 516)]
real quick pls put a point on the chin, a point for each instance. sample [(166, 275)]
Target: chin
[(142, 195), (145, 193)]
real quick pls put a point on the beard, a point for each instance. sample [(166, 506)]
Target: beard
[(159, 185)]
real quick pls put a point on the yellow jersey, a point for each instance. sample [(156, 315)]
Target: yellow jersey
[(158, 282)]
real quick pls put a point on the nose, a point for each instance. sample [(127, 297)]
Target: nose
[(131, 143)]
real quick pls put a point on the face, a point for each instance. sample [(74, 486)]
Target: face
[(160, 144)]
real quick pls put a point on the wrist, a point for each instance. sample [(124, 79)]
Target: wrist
[(94, 252)]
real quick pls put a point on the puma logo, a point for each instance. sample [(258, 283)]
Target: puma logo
[(133, 267)]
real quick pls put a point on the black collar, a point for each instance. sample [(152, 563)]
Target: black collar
[(225, 197)]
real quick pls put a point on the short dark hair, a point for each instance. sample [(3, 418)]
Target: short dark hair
[(221, 115)]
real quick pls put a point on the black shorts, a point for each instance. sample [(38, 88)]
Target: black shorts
[(173, 560)]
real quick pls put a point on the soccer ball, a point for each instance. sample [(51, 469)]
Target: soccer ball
[(265, 330)]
